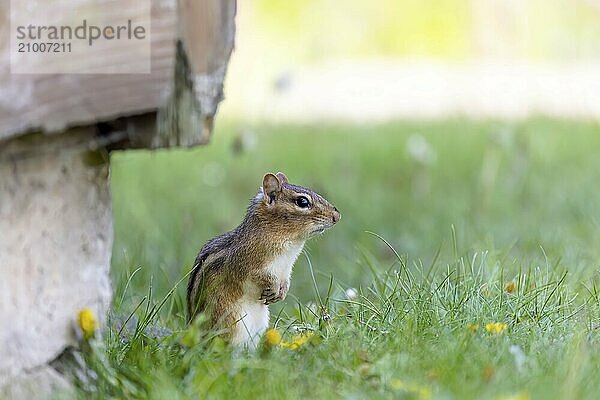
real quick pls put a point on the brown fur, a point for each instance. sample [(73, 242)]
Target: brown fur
[(225, 262)]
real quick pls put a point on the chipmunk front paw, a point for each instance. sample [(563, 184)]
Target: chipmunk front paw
[(272, 295)]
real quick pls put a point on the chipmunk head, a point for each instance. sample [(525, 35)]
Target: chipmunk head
[(294, 211)]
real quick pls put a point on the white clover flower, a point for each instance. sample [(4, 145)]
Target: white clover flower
[(351, 293), (420, 150)]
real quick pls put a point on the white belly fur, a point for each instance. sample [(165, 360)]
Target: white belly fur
[(254, 320), (253, 314), (282, 265)]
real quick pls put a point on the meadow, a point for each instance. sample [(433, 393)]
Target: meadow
[(465, 266)]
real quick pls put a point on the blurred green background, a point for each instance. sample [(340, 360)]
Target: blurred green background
[(456, 29), (317, 59)]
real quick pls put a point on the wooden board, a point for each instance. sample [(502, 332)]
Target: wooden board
[(52, 103)]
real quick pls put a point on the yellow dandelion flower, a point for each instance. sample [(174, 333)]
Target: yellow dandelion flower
[(473, 327), (488, 373), (495, 327), (516, 396), (397, 384), (424, 393), (421, 392), (510, 287), (87, 322), (272, 337), (297, 341)]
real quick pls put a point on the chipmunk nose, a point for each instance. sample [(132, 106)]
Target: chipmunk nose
[(336, 215)]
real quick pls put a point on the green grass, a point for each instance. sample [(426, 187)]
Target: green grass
[(495, 203)]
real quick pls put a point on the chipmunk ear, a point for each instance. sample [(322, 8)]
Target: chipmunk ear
[(271, 185), (282, 178)]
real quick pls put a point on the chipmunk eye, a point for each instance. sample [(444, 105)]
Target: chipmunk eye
[(302, 202)]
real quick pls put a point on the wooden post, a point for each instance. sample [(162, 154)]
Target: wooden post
[(55, 208)]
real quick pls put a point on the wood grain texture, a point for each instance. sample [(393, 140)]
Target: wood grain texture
[(52, 103)]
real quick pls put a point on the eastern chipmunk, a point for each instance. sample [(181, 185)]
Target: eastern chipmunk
[(238, 274)]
